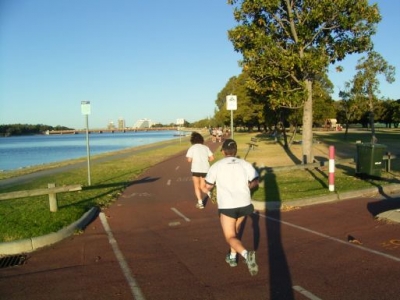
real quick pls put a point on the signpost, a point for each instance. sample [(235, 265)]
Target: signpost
[(231, 104), (85, 108)]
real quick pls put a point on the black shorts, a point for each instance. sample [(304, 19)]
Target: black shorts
[(197, 174), (237, 212)]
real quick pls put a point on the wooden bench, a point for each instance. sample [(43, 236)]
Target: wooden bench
[(253, 143), (52, 190)]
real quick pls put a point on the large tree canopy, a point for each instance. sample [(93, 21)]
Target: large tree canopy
[(288, 44)]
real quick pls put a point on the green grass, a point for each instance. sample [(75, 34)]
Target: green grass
[(297, 184), (29, 217)]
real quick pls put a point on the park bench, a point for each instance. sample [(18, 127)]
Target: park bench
[(52, 191), (253, 143)]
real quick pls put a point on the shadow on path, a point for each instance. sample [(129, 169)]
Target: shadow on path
[(279, 274)]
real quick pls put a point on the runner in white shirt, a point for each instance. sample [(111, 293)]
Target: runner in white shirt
[(199, 155), (233, 177)]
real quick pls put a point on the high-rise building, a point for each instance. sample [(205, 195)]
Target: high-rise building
[(121, 123)]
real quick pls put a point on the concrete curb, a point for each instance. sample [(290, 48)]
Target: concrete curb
[(32, 244), (370, 192)]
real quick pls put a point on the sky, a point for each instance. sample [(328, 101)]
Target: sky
[(159, 60)]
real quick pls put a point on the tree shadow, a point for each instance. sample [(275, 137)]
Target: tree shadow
[(122, 184), (87, 203), (377, 207), (279, 273), (290, 154), (322, 182), (386, 204)]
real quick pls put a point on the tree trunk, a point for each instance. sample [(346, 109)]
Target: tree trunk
[(372, 121), (307, 142)]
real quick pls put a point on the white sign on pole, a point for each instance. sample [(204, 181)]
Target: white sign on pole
[(85, 107), (231, 102), (180, 121)]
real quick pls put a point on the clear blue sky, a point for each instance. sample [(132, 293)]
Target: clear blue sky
[(161, 60)]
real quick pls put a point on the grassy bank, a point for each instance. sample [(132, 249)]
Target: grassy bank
[(28, 217), (280, 185)]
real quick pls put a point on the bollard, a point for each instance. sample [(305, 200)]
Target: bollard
[(331, 177)]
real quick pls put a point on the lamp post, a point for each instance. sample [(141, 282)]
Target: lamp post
[(85, 108)]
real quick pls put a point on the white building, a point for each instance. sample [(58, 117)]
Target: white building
[(143, 123)]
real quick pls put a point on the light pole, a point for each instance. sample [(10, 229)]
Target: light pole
[(85, 108)]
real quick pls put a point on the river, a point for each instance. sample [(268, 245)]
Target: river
[(18, 152)]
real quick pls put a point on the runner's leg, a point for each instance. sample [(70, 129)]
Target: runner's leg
[(229, 227)]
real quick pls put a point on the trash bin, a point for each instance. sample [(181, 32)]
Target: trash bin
[(369, 159)]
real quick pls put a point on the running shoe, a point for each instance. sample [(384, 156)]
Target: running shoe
[(231, 261), (200, 205), (251, 263)]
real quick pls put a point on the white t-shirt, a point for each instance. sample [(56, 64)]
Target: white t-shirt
[(199, 154), (232, 175)]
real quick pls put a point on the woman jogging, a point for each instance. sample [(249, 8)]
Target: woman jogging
[(199, 155), (234, 178)]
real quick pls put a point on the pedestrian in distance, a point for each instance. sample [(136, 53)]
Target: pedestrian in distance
[(234, 178), (200, 156)]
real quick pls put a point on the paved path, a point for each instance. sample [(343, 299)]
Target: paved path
[(152, 243)]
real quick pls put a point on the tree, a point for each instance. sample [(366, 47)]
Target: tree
[(249, 112), (366, 82), (288, 44), (349, 109), (390, 113)]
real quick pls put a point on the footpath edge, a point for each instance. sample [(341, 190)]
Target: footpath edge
[(35, 243), (32, 244)]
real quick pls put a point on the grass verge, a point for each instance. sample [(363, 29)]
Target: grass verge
[(29, 217)]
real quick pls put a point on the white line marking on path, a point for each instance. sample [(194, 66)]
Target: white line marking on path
[(169, 182), (135, 289), (180, 214), (305, 293), (334, 239)]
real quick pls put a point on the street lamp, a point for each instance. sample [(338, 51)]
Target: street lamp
[(85, 108)]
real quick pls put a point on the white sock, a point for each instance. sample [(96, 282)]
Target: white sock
[(232, 255), (244, 254), (199, 201)]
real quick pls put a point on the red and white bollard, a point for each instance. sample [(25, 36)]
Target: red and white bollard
[(331, 177)]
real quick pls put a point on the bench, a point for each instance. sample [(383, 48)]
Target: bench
[(253, 143)]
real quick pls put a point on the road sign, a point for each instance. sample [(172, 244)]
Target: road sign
[(231, 102), (85, 107)]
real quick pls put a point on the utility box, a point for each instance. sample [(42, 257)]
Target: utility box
[(369, 159)]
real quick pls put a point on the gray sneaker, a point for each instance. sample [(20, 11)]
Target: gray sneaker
[(251, 263), (231, 261), (200, 205)]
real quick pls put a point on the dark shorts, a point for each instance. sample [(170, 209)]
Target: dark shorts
[(196, 174), (237, 212)]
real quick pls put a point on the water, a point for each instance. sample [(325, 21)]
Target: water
[(25, 151)]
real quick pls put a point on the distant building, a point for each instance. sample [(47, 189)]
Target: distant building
[(121, 123), (143, 123), (111, 125)]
